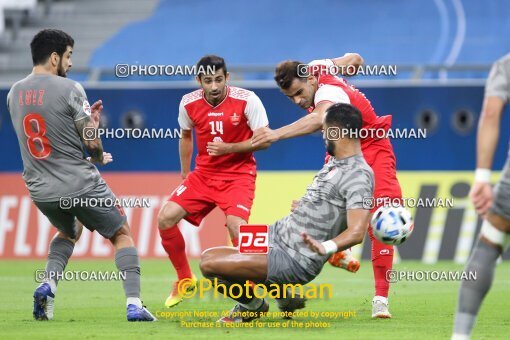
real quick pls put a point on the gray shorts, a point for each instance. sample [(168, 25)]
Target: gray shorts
[(501, 205), (106, 219), (282, 268)]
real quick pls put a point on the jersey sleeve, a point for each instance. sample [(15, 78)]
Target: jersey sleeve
[(80, 107), (359, 190), (498, 83), (185, 121), (323, 62), (255, 112), (332, 94)]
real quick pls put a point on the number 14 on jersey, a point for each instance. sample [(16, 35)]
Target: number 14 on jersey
[(216, 127)]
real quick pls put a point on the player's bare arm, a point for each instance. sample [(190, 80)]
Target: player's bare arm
[(348, 59), (357, 221), (94, 145), (487, 140), (97, 109), (107, 158), (221, 148), (304, 126), (185, 152)]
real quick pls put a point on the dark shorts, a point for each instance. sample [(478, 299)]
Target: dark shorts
[(93, 209), (281, 267), (501, 205)]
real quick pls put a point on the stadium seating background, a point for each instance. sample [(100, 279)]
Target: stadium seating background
[(265, 32)]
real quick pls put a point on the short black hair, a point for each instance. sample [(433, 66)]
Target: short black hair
[(48, 41), (286, 72), (344, 116), (212, 60)]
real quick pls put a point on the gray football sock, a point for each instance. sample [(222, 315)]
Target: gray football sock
[(127, 261), (471, 294), (60, 251)]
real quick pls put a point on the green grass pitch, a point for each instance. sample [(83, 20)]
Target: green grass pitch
[(97, 309)]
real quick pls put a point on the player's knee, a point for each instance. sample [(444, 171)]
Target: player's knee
[(207, 268), (123, 234), (207, 264), (167, 218), (64, 236), (233, 224), (79, 230)]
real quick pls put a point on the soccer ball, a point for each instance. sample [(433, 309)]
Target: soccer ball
[(392, 225)]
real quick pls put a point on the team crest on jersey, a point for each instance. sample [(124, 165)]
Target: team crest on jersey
[(86, 108), (217, 139), (235, 119)]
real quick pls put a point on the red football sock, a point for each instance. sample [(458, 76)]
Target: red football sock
[(174, 245), (382, 261)]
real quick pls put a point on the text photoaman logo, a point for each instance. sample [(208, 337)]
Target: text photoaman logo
[(394, 276), (335, 133), (305, 70), (91, 133), (128, 70), (92, 202), (41, 275), (408, 202)]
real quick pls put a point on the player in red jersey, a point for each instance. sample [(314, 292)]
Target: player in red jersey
[(223, 118), (315, 87)]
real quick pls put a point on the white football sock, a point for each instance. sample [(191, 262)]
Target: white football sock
[(380, 298), (134, 301)]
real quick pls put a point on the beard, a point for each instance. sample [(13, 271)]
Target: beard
[(330, 148), (61, 72)]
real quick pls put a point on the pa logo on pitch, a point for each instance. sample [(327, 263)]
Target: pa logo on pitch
[(253, 239)]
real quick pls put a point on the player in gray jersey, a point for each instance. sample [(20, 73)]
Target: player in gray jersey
[(330, 217), (53, 120), (493, 206)]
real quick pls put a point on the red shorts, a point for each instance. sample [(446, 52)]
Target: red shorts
[(383, 163), (199, 195)]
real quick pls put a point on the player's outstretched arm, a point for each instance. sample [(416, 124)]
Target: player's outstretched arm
[(488, 131), (87, 129), (221, 148), (347, 59), (303, 126), (185, 152), (357, 221), (347, 65), (487, 140)]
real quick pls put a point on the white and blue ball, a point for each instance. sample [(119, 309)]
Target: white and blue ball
[(392, 224)]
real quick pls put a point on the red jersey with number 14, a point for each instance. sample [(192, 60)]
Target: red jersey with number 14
[(231, 121)]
